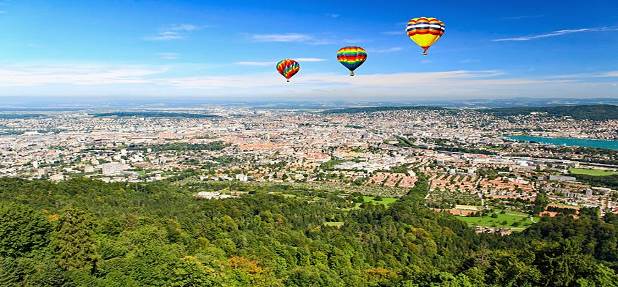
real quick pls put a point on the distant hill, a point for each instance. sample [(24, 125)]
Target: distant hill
[(382, 109), (20, 116), (580, 112), (154, 115)]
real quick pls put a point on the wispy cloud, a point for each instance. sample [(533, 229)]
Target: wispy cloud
[(386, 50), (76, 75), (447, 84), (289, 37), (270, 63), (606, 74), (255, 63), (332, 15), (354, 41), (174, 32), (184, 27), (310, 59), (168, 56), (611, 74), (557, 34), (79, 80), (522, 17)]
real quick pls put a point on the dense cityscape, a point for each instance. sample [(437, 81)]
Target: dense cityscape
[(472, 165)]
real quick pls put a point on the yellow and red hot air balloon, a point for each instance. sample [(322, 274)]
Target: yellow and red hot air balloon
[(425, 31), (288, 68), (351, 57)]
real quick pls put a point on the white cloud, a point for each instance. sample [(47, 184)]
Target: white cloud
[(607, 74), (449, 84), (310, 59), (289, 37), (75, 75), (557, 33), (168, 56), (386, 50), (124, 80), (353, 41), (271, 63), (166, 36), (255, 63), (183, 27), (174, 32), (521, 17), (610, 74), (332, 15)]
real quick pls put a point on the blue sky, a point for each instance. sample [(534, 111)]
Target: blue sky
[(227, 49)]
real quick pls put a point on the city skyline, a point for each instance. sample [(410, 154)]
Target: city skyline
[(201, 50)]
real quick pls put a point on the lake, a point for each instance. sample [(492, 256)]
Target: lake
[(593, 143)]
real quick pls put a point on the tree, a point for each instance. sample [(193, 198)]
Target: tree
[(22, 229), (540, 203), (74, 243)]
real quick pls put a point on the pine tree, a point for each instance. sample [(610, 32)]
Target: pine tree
[(74, 243), (22, 229)]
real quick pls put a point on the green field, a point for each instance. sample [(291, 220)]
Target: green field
[(386, 201), (592, 172), (513, 220)]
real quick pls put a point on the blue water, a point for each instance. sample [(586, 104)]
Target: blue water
[(605, 144)]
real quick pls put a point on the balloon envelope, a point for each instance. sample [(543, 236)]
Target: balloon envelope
[(351, 57), (288, 68), (425, 31)]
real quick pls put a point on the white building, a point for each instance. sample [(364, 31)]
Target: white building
[(114, 168)]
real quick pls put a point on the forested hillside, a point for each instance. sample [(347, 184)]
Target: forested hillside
[(356, 110), (90, 233), (580, 112)]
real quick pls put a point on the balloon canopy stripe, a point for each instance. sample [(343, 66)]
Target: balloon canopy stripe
[(425, 31)]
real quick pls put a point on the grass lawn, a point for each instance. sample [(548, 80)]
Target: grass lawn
[(386, 201), (592, 172), (506, 220)]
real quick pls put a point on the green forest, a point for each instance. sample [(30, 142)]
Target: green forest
[(383, 109), (90, 233), (580, 112)]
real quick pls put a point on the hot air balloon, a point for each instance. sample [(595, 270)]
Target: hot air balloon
[(288, 68), (351, 57), (425, 31)]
